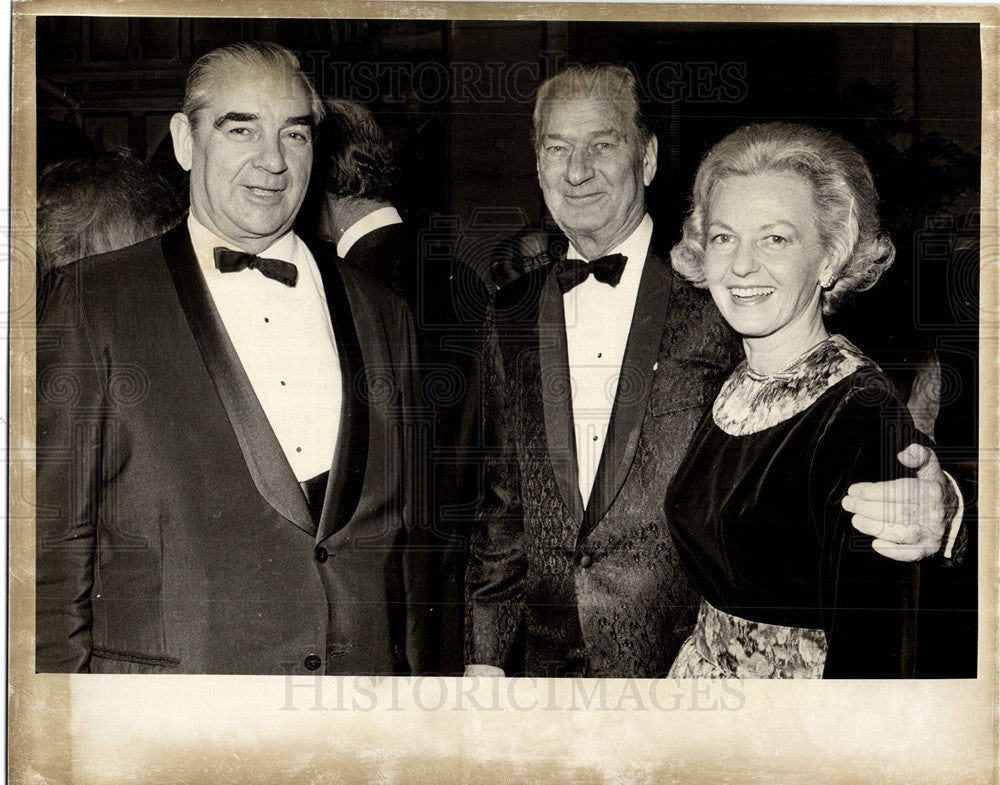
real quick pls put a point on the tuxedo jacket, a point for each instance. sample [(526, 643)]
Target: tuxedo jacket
[(557, 587), (172, 535), (448, 301)]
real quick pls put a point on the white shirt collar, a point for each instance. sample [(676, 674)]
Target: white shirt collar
[(205, 241), (634, 247), (384, 216)]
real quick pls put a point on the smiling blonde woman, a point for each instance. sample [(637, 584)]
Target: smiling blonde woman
[(784, 224)]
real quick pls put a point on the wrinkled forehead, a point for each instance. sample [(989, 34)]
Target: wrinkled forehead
[(585, 112), (238, 87)]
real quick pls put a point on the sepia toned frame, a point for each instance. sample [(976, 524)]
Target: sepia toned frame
[(195, 729)]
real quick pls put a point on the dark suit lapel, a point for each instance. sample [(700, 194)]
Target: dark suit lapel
[(531, 310), (641, 351), (557, 401), (263, 454), (347, 473)]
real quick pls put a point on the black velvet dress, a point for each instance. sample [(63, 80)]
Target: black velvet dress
[(790, 588)]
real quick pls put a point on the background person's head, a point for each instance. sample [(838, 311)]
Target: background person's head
[(99, 203), (246, 136), (842, 188), (354, 153), (594, 154), (355, 170)]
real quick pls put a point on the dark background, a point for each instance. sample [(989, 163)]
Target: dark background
[(457, 97)]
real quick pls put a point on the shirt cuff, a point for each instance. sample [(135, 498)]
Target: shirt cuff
[(483, 670), (956, 522)]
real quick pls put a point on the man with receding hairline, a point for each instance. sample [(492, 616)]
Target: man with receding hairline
[(244, 505)]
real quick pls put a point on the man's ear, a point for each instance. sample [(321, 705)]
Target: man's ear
[(649, 160), (181, 133)]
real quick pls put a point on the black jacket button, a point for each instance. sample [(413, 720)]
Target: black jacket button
[(586, 560), (312, 662), (321, 554)]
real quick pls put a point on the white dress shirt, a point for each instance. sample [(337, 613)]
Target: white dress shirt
[(284, 338), (376, 219), (598, 319)]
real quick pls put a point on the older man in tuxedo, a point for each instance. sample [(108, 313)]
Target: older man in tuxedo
[(598, 364), (222, 418)]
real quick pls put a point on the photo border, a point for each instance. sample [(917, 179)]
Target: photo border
[(110, 729)]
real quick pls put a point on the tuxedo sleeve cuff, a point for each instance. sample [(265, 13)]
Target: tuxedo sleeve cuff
[(956, 522), (477, 670)]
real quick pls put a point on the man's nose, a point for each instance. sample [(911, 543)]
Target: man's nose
[(579, 168), (271, 156)]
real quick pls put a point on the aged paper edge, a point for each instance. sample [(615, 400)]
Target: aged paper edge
[(154, 728)]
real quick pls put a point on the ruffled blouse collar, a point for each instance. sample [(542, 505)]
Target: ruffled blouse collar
[(750, 402)]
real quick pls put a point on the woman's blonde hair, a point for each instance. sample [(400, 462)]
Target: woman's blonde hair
[(843, 190)]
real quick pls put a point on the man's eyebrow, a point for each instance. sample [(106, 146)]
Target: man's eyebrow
[(304, 119), (603, 132), (234, 117)]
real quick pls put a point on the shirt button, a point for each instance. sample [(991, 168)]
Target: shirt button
[(321, 554), (586, 560), (312, 662)]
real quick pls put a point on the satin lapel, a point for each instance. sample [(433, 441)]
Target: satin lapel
[(347, 474), (536, 325), (641, 351), (263, 454), (554, 389)]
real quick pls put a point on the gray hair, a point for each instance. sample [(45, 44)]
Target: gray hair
[(843, 191), (211, 68), (96, 204), (613, 84)]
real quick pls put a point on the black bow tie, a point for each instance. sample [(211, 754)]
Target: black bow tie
[(573, 272), (229, 261)]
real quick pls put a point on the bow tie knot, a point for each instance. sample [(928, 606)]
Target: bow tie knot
[(230, 261), (606, 269)]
